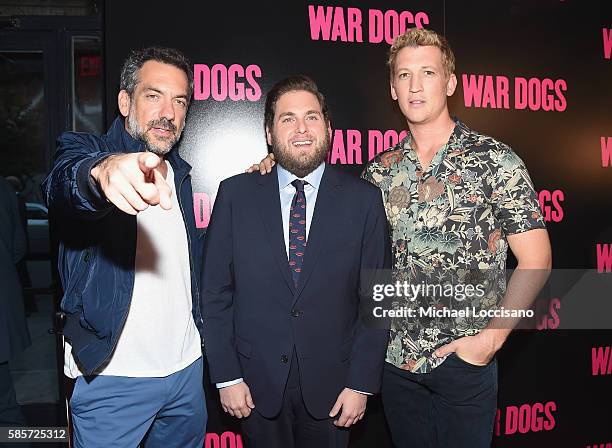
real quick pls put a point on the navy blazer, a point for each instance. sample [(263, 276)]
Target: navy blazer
[(254, 317)]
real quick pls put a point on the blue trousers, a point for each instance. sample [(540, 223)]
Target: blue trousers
[(118, 412)]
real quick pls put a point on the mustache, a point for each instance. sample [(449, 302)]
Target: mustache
[(162, 123)]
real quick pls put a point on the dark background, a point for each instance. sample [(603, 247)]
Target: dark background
[(543, 39)]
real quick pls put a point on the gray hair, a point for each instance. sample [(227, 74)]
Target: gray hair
[(137, 58)]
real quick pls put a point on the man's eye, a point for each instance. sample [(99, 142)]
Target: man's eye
[(403, 75), (312, 117), (152, 96), (429, 72), (181, 103), (287, 120)]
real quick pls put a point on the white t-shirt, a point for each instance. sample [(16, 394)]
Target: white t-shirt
[(160, 336)]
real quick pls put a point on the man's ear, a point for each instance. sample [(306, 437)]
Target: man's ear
[(451, 85), (392, 89), (124, 102), (268, 136)]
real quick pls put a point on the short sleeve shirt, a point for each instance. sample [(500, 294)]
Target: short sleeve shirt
[(447, 223)]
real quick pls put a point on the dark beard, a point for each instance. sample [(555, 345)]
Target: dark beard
[(141, 134), (300, 167)]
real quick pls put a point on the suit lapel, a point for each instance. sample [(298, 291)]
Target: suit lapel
[(270, 210), (322, 221)]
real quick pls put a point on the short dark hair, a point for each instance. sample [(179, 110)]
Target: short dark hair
[(292, 84), (137, 58)]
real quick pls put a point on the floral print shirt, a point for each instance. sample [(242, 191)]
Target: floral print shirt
[(448, 225)]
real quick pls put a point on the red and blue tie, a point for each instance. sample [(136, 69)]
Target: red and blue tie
[(297, 230)]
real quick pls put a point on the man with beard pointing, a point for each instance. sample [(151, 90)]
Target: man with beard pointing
[(129, 261), (286, 343)]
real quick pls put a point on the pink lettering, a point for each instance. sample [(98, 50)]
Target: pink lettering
[(530, 418), (221, 82), (606, 151), (375, 30), (486, 91), (212, 440), (354, 24), (472, 90), (201, 82), (218, 78), (226, 440), (334, 23), (378, 142), (236, 89), (421, 19), (550, 319), (338, 26), (201, 207), (338, 153), (253, 93), (482, 91), (536, 94), (387, 25), (550, 203), (349, 153), (330, 24), (604, 258), (353, 146), (498, 96), (320, 21), (607, 42), (560, 102), (601, 361)]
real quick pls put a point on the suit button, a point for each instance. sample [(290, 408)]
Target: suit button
[(284, 359), (295, 312)]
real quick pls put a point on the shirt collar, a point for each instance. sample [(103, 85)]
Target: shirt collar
[(455, 142), (313, 178)]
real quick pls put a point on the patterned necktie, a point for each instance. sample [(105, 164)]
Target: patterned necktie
[(297, 230)]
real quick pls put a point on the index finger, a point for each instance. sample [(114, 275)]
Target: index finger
[(148, 161)]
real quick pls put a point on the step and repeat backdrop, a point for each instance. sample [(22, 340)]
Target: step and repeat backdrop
[(534, 74)]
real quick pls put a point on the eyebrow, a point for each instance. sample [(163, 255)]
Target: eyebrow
[(421, 67), (154, 89), (292, 114)]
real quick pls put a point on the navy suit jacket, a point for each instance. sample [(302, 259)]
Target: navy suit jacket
[(254, 316)]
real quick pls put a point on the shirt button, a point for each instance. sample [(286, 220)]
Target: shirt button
[(295, 312), (284, 359)]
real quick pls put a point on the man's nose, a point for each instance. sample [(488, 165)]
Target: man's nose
[(167, 110), (301, 125), (416, 84)]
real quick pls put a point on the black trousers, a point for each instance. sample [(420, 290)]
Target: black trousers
[(293, 427), (452, 406)]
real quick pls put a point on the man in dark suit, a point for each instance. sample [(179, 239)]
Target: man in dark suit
[(285, 255)]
